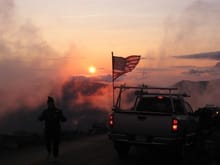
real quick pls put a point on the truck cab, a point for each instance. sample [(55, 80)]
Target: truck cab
[(152, 118)]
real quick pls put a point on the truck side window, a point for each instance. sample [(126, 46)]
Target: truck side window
[(188, 107)]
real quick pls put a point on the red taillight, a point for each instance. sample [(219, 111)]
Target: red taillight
[(175, 125), (111, 120), (160, 97)]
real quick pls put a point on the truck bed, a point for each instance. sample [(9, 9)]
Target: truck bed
[(142, 123)]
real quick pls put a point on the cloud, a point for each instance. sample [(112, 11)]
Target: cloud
[(201, 92), (207, 55), (198, 72), (212, 70), (84, 101), (182, 66), (7, 15), (30, 68), (88, 92), (194, 30)]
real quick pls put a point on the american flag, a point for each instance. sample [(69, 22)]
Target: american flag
[(123, 65)]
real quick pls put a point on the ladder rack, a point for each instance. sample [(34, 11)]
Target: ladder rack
[(144, 90)]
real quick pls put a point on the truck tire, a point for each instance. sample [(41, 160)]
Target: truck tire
[(122, 149)]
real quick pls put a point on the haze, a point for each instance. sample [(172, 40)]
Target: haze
[(44, 45)]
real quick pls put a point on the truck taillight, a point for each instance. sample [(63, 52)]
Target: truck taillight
[(111, 120), (160, 97), (175, 125)]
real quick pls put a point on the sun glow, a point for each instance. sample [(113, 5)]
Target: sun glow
[(92, 69)]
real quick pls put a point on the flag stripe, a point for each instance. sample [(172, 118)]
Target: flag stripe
[(123, 65), (131, 62)]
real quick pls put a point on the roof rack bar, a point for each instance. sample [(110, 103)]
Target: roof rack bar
[(145, 87), (161, 94)]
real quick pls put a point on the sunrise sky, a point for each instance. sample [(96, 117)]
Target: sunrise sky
[(86, 31), (45, 43)]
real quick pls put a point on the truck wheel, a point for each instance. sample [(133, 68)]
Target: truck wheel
[(122, 149)]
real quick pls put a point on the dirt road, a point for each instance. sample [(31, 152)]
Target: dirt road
[(98, 150)]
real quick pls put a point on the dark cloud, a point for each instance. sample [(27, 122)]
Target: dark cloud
[(183, 66), (88, 92), (208, 55), (156, 69), (84, 101), (217, 65), (201, 92), (199, 72), (88, 100), (212, 70)]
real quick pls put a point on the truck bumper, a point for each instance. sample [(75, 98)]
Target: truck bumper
[(145, 140)]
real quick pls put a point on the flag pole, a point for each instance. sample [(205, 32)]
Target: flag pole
[(113, 84)]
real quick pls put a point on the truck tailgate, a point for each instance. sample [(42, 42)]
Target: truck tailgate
[(147, 124)]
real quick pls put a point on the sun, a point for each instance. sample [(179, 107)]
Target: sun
[(92, 69)]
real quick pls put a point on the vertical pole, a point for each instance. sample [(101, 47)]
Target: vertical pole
[(113, 84)]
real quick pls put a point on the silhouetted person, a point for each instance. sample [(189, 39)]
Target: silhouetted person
[(52, 116)]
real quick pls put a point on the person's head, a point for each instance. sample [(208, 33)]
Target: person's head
[(50, 102)]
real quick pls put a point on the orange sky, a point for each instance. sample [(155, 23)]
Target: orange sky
[(44, 43), (87, 32)]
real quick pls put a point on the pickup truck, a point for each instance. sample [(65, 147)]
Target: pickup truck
[(152, 117)]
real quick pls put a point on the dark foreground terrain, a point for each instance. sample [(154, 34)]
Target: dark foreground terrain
[(98, 150)]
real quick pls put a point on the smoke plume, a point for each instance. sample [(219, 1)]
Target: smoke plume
[(201, 92), (81, 92), (28, 68), (31, 69), (83, 100), (194, 31)]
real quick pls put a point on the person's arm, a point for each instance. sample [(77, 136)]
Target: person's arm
[(62, 117)]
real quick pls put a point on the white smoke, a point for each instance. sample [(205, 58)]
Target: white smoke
[(29, 67)]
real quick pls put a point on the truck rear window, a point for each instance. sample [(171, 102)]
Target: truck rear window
[(156, 104)]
